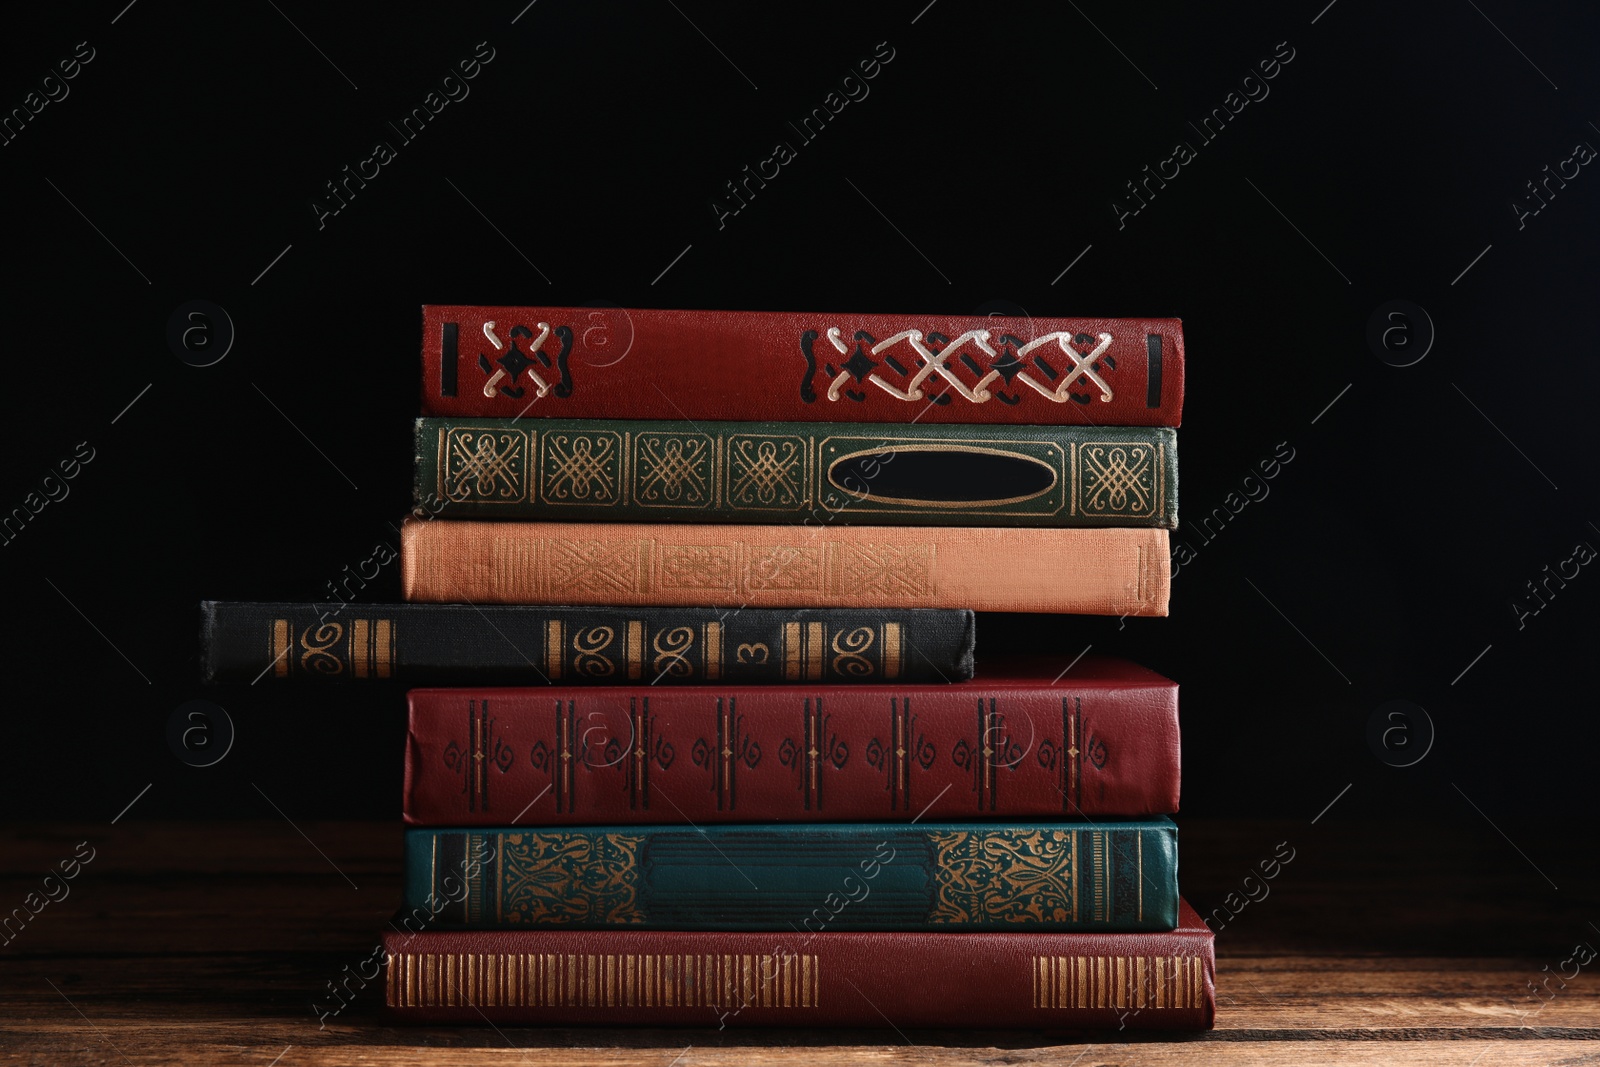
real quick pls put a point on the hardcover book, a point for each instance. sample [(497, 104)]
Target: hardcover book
[(660, 471), (464, 643), (1096, 572), (802, 978), (1101, 740), (616, 363), (1039, 875)]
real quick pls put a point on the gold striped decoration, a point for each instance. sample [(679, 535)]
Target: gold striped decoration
[(891, 650), (554, 648), (371, 648), (280, 648), (383, 647), (791, 651), (361, 648), (633, 648), (1125, 982), (805, 651), (601, 980), (713, 651)]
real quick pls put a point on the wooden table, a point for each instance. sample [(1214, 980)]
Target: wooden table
[(1378, 944)]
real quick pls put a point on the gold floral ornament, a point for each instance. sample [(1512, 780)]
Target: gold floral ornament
[(564, 879), (1005, 877)]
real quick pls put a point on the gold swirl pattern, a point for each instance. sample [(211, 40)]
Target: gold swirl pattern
[(1003, 877), (316, 656), (560, 879), (850, 658), (587, 646), (672, 651)]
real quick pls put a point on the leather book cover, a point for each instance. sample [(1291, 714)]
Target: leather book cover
[(636, 363), (774, 472), (588, 646), (804, 977), (1117, 571), (1101, 740), (1038, 875)]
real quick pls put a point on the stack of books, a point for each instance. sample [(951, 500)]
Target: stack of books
[(747, 773)]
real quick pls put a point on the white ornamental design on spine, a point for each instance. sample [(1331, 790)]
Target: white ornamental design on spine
[(491, 388), (1081, 366)]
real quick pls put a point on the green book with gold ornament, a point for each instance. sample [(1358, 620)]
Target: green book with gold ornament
[(1066, 875), (785, 473)]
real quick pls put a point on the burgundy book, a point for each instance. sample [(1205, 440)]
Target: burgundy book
[(1133, 981), (635, 363), (1100, 739)]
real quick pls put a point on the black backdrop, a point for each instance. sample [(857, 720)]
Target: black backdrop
[(978, 173)]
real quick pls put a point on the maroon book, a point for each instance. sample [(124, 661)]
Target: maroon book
[(1101, 739), (1134, 981), (635, 363)]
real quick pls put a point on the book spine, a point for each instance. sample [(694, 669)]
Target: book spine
[(660, 471), (616, 363), (1108, 875), (706, 755), (1143, 981), (462, 643), (1090, 572)]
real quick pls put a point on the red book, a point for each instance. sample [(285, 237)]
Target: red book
[(1143, 981), (636, 363), (1100, 740)]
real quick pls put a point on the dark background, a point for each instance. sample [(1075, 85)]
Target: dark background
[(986, 159)]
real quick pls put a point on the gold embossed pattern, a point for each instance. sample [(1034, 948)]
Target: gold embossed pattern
[(1120, 479), (581, 468), (1103, 476), (1006, 877), (673, 469), (559, 879), (767, 472), (1114, 571), (480, 465)]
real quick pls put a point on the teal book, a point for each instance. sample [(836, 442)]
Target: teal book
[(1057, 876), (784, 473)]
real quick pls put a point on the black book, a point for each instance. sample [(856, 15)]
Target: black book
[(459, 644)]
